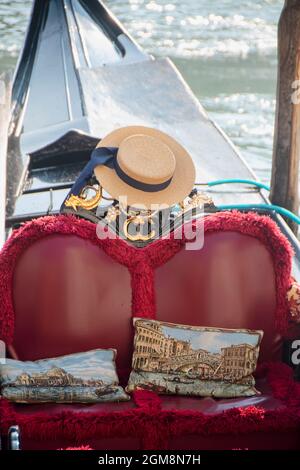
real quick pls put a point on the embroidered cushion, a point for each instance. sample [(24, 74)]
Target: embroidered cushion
[(293, 297), (186, 360), (87, 377)]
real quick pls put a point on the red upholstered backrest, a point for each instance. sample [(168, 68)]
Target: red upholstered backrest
[(63, 290), (69, 296), (230, 283)]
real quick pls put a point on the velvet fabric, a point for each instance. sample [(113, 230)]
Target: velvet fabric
[(142, 262), (157, 426), (87, 447), (150, 422)]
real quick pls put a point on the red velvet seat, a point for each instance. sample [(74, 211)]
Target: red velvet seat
[(63, 290), (207, 406)]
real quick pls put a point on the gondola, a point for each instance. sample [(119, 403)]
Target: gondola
[(79, 76)]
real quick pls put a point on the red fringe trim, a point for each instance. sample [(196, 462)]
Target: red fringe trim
[(148, 421), (142, 262), (154, 425)]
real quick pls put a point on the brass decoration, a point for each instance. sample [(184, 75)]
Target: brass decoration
[(112, 213), (82, 201), (131, 217), (145, 214), (197, 200), (137, 220), (200, 199)]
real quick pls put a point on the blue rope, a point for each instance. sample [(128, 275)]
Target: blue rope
[(258, 184), (265, 207)]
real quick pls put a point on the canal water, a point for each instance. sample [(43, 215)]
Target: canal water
[(226, 50)]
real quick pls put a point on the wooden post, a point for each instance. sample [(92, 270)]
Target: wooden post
[(285, 169)]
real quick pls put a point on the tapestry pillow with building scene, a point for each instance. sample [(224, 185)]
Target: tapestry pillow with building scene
[(187, 360), (88, 377)]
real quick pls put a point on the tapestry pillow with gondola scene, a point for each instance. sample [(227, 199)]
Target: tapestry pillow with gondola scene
[(185, 360), (88, 377)]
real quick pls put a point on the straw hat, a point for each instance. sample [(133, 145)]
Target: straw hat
[(150, 167)]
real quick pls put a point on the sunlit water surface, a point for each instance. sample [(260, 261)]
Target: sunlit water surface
[(226, 50)]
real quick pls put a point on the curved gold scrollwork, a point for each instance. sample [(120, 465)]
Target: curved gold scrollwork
[(82, 201), (137, 220), (197, 200)]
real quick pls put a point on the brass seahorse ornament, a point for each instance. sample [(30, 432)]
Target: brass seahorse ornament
[(82, 201)]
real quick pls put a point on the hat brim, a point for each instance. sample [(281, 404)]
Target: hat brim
[(179, 188)]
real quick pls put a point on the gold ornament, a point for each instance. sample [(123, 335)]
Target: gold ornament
[(82, 201), (137, 220), (197, 200), (112, 214)]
